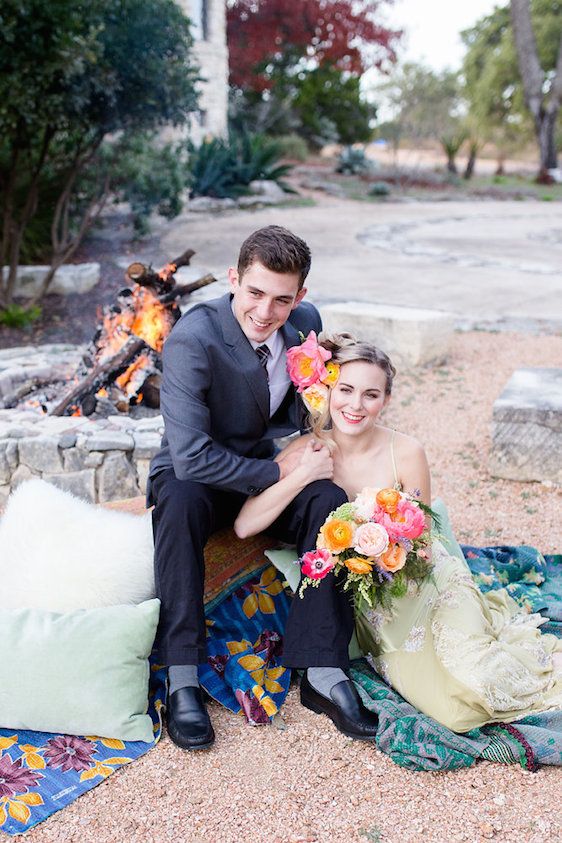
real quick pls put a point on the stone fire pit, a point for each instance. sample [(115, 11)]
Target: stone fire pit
[(97, 459)]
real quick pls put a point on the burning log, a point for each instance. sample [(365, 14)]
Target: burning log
[(14, 398), (99, 375), (123, 362), (185, 289), (151, 391), (159, 281)]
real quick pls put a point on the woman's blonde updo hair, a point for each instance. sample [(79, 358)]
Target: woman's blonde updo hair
[(346, 348)]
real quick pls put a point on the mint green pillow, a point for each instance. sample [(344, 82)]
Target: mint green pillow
[(286, 561), (81, 673)]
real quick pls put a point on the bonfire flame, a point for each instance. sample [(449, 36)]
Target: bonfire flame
[(133, 377), (144, 317)]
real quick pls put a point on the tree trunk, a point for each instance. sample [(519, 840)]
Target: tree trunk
[(469, 169), (451, 163), (17, 230), (543, 108), (545, 126)]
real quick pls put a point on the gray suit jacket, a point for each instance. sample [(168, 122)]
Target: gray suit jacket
[(215, 400)]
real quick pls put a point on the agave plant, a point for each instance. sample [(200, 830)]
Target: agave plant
[(213, 170), (353, 162), (258, 158), (225, 168)]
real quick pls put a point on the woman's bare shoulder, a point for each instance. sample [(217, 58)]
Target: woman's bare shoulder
[(407, 446)]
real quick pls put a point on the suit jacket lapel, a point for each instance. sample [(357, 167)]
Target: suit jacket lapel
[(244, 355), (291, 337)]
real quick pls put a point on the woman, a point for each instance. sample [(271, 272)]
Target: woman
[(460, 656)]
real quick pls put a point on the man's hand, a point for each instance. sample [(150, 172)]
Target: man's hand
[(313, 462), (289, 461)]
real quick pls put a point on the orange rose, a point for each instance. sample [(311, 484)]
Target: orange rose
[(392, 559), (358, 565), (388, 499), (337, 535)]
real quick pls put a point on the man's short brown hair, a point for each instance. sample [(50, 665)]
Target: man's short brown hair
[(278, 250)]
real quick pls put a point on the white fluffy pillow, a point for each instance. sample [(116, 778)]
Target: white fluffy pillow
[(60, 553)]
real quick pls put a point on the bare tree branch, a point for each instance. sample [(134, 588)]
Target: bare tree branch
[(68, 247)]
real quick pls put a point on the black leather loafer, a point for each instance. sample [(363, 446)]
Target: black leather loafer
[(189, 725), (344, 708)]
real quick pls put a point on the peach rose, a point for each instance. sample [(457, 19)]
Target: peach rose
[(305, 363), (393, 559), (337, 535), (359, 566), (370, 539), (315, 398)]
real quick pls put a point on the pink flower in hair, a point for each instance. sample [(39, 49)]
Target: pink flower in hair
[(305, 363)]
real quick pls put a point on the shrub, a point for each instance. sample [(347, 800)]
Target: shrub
[(379, 188), (293, 146), (330, 109), (16, 316), (150, 177), (353, 162)]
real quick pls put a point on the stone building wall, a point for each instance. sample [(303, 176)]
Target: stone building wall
[(209, 30)]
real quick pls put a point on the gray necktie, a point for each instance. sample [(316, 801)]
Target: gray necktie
[(263, 353)]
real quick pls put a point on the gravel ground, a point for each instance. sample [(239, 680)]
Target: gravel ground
[(301, 780)]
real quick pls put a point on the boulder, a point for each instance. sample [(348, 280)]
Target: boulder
[(267, 189), (69, 278), (410, 336), (210, 204), (527, 427)]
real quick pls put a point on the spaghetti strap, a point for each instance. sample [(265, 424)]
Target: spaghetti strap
[(396, 481)]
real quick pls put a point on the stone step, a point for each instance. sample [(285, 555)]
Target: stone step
[(411, 336), (527, 427)]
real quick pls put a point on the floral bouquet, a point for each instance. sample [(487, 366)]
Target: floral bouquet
[(380, 540)]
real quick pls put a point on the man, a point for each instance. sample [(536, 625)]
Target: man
[(225, 396)]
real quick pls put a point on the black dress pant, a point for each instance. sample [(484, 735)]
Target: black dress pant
[(185, 515)]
